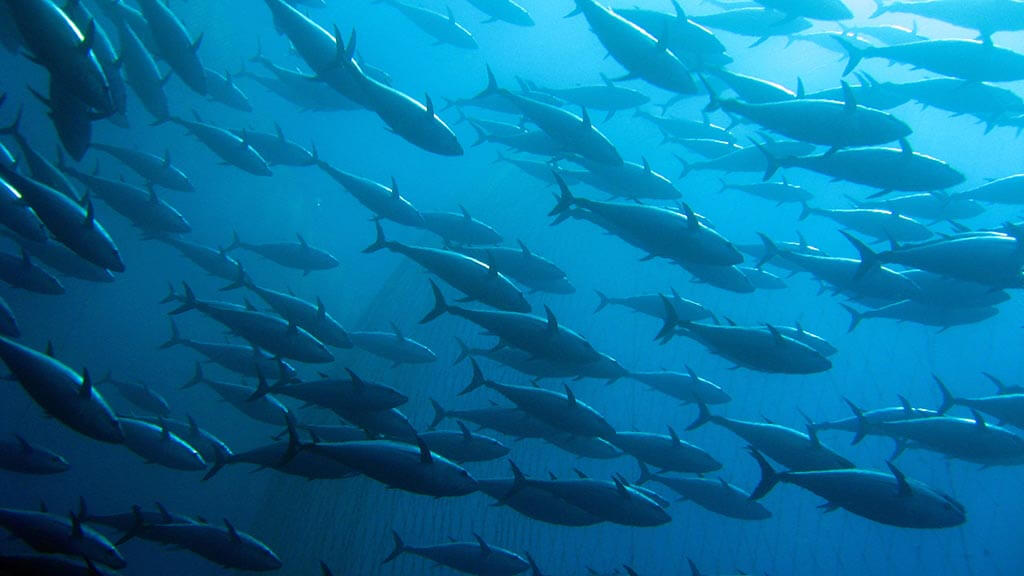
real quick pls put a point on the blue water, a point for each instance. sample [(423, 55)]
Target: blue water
[(347, 523)]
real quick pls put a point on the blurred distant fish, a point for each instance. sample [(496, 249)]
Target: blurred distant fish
[(51, 534), (230, 148), (25, 458), (460, 228), (222, 88), (476, 279), (504, 10), (298, 255), (156, 169), (469, 557), (442, 27)]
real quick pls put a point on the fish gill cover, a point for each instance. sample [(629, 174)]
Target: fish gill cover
[(548, 287)]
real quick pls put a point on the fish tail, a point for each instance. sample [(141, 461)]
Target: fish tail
[(175, 338), (478, 379), (855, 317), (604, 301), (440, 305), (769, 477), (399, 548), (439, 414), (703, 417)]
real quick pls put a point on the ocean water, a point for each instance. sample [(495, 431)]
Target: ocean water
[(348, 523)]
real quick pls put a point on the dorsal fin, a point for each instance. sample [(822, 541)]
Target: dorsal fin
[(848, 96), (394, 189), (76, 527), (587, 125), (465, 213), (302, 241), (90, 214), (429, 104), (522, 246), (905, 145), (571, 396), (397, 331), (580, 473), (231, 531), (675, 437), (357, 382), (321, 310), (425, 456), (466, 434), (484, 548), (86, 390), (979, 419), (552, 321), (901, 480)]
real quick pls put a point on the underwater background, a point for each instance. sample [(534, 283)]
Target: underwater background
[(347, 523)]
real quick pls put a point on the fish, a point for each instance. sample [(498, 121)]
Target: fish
[(813, 9), (343, 396), (660, 232), (54, 42), (62, 393), (156, 169), (541, 337), (636, 49), (22, 272), (563, 411), (791, 448), (394, 346), (159, 445), (921, 313), (141, 72), (383, 201), (226, 546), (222, 88), (607, 96), (460, 228), (229, 148), (880, 223), (611, 501), (825, 122), (575, 133), (526, 267), (271, 333), (667, 453), (1008, 408), (464, 446), (213, 261), (276, 149), (1006, 190), (715, 495), (174, 44), (138, 394), (209, 446), (972, 440), (474, 278), (64, 261), (778, 192), (687, 388), (72, 119), (262, 408), (973, 60), (758, 22), (291, 458), (503, 10), (314, 318), (142, 207), (52, 534), (244, 360), (469, 557), (442, 27), (890, 499), (651, 304), (415, 121), (763, 349), (298, 255), (25, 458), (694, 45), (413, 468)]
